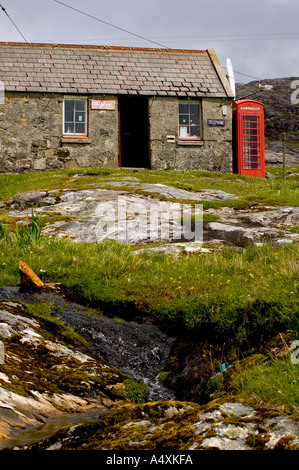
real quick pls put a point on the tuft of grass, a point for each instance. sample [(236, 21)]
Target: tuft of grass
[(134, 390), (274, 383), (4, 232), (30, 234)]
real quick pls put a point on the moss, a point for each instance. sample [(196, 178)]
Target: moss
[(33, 367), (134, 390), (54, 328), (39, 370), (164, 376), (256, 441)]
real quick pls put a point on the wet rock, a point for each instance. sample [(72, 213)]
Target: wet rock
[(26, 398), (140, 350)]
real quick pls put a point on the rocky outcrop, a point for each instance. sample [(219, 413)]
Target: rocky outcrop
[(164, 426), (242, 227), (43, 377), (139, 213)]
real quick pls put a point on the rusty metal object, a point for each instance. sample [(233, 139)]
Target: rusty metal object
[(29, 280)]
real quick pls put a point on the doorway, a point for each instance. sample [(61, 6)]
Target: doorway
[(133, 132)]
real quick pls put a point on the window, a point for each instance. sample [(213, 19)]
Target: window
[(75, 117), (189, 120)]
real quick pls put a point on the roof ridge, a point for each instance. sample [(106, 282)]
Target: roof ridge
[(101, 47)]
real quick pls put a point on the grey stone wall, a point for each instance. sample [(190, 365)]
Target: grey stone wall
[(31, 126), (214, 152)]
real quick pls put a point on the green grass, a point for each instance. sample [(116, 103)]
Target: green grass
[(275, 384), (242, 294), (248, 189)]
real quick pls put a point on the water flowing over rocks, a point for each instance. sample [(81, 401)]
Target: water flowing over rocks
[(140, 350)]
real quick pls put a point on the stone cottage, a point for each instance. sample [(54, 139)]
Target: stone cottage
[(71, 106)]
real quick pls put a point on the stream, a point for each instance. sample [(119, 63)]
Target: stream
[(138, 349), (52, 425)]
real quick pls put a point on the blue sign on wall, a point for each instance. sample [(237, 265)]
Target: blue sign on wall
[(216, 122)]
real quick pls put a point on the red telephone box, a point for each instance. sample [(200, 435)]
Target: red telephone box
[(249, 138)]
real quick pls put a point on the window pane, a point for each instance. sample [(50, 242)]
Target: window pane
[(75, 116), (68, 116), (69, 128), (184, 119), (194, 131), (183, 108), (194, 109), (80, 105), (69, 105), (183, 131), (79, 116), (79, 128), (194, 120), (189, 119)]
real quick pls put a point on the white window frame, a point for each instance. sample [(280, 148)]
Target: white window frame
[(75, 134), (188, 136)]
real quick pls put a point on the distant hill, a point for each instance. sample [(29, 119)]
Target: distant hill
[(281, 116)]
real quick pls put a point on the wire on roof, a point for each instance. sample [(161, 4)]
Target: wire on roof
[(3, 9), (110, 24)]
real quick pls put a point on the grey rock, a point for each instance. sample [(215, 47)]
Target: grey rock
[(24, 200)]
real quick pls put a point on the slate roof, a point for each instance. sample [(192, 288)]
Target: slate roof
[(111, 70)]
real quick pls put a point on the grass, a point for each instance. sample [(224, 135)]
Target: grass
[(248, 189), (274, 383), (243, 294)]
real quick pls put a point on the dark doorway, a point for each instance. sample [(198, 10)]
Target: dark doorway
[(133, 119)]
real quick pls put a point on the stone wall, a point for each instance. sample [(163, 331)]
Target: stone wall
[(31, 135), (213, 152)]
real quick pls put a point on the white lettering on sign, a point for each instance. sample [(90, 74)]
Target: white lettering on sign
[(249, 108), (103, 104)]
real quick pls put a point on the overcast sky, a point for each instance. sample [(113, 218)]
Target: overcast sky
[(261, 37)]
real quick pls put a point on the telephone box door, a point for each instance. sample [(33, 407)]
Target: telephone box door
[(249, 140)]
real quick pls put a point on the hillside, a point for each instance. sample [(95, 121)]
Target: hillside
[(281, 116)]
